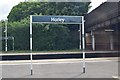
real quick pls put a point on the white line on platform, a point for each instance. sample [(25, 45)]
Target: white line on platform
[(58, 53), (53, 62)]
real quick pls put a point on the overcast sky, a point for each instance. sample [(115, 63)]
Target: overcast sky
[(6, 6)]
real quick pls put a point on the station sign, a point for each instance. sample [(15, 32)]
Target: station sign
[(57, 19)]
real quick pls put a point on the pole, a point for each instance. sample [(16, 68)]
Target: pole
[(13, 43), (80, 36), (31, 44), (6, 35), (111, 42), (83, 42), (93, 40)]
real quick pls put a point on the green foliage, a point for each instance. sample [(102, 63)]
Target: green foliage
[(24, 9), (54, 38), (45, 37), (20, 31)]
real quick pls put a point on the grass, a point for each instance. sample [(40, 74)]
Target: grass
[(27, 51)]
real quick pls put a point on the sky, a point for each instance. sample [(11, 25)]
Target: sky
[(6, 6)]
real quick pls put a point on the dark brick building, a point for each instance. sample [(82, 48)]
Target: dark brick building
[(103, 27)]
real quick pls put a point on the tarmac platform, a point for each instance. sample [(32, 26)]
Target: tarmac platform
[(62, 68)]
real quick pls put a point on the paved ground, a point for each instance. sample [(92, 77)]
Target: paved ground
[(70, 68)]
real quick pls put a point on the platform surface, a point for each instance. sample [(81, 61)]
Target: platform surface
[(62, 68)]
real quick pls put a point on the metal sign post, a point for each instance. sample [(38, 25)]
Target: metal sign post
[(83, 42), (6, 35), (13, 43), (80, 46), (58, 20), (31, 43)]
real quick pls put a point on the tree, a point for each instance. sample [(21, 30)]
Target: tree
[(24, 9), (45, 37)]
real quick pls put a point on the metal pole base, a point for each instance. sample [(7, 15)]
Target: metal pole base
[(31, 72), (84, 70)]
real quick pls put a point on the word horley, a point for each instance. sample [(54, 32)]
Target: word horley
[(57, 20)]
